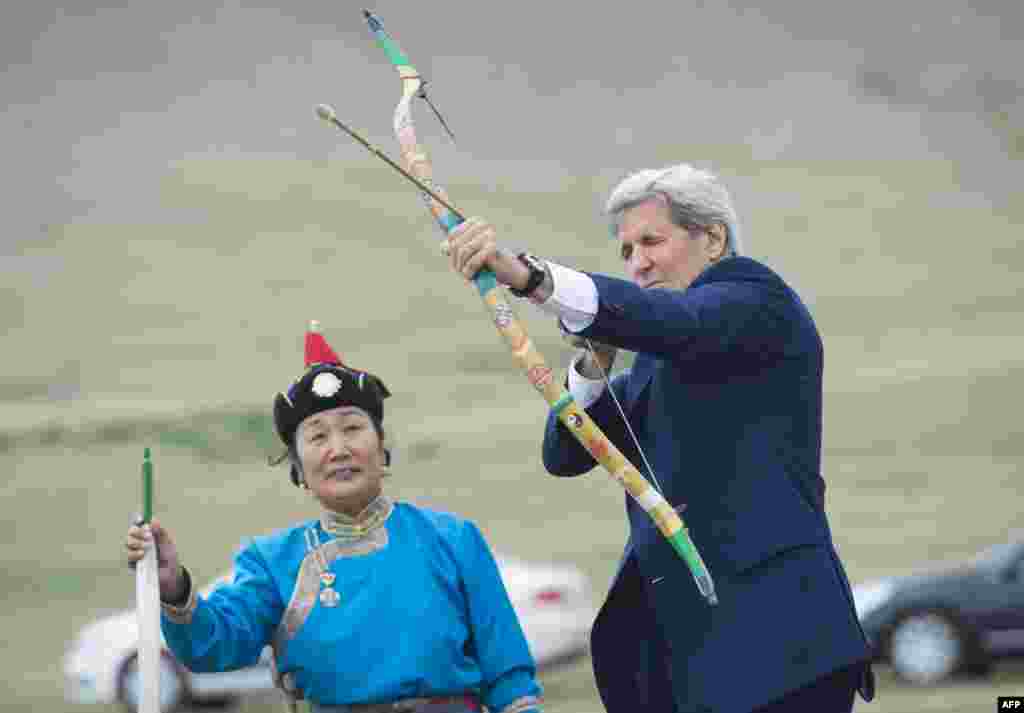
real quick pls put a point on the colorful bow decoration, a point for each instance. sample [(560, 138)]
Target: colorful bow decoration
[(418, 170)]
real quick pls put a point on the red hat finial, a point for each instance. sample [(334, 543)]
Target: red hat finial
[(318, 351)]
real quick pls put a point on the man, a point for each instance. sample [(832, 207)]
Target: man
[(725, 401)]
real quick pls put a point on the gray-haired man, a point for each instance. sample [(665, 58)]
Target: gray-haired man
[(725, 401)]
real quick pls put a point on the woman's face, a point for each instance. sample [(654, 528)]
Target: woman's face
[(342, 458)]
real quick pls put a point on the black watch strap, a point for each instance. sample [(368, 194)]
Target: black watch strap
[(537, 274)]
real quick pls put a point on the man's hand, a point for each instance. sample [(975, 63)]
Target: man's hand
[(473, 246), (598, 358), (170, 572)]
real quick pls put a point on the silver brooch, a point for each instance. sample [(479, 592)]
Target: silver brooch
[(328, 597)]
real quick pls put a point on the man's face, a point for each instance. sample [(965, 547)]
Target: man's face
[(659, 253)]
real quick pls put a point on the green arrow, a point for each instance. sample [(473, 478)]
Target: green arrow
[(147, 487)]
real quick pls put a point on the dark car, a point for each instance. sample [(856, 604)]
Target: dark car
[(959, 619)]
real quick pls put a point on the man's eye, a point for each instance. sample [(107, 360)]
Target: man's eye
[(353, 428), (317, 437)]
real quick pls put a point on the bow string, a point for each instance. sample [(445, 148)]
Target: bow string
[(540, 376)]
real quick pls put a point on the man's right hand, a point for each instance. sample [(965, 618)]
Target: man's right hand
[(170, 572), (598, 358)]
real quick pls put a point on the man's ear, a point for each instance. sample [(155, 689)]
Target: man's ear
[(718, 241)]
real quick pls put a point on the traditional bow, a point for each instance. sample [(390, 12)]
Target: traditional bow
[(418, 169)]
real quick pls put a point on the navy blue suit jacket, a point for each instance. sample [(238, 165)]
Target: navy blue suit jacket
[(725, 397)]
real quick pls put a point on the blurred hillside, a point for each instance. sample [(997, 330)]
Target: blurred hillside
[(101, 98), (166, 174)]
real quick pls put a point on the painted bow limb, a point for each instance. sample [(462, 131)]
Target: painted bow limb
[(575, 419)]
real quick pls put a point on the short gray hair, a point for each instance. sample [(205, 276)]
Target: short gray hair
[(696, 198)]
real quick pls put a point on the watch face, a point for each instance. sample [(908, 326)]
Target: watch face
[(537, 274)]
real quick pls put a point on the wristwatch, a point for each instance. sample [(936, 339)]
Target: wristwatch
[(537, 274)]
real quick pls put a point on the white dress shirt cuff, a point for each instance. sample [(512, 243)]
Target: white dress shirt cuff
[(573, 299), (585, 391)]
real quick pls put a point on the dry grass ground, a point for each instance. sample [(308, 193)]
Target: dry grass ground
[(178, 338)]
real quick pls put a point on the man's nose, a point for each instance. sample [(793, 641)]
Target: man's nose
[(639, 261)]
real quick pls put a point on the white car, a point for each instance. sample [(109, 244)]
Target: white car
[(554, 604)]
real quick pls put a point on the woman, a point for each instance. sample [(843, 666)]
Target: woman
[(375, 604)]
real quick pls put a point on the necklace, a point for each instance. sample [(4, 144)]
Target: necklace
[(329, 596)]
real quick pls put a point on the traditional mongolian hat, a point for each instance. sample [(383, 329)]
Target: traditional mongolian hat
[(327, 383)]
